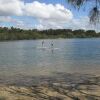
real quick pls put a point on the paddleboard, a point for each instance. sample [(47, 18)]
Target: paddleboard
[(46, 48), (42, 47)]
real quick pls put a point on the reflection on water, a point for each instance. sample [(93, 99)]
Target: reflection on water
[(72, 55)]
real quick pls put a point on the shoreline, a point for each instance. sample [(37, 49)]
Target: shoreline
[(62, 86), (48, 39)]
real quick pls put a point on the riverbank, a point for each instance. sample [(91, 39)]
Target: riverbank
[(21, 34), (62, 86)]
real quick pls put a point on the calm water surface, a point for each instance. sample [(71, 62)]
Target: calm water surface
[(73, 55)]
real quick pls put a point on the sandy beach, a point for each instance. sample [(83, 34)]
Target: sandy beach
[(62, 86)]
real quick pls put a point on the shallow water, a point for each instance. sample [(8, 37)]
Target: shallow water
[(27, 57)]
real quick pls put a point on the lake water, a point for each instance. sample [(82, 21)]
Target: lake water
[(73, 55)]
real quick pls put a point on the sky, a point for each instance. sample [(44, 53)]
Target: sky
[(44, 14)]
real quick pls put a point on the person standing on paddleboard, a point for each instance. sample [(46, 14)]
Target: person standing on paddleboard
[(52, 45), (42, 43)]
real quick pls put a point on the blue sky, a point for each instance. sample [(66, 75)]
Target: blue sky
[(42, 14)]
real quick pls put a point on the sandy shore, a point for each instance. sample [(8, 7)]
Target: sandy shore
[(62, 86)]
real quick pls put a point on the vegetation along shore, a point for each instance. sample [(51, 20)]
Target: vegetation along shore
[(21, 34)]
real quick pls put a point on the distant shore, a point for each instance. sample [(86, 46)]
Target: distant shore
[(12, 33), (62, 86)]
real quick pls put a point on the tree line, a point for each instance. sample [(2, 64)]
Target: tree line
[(21, 34)]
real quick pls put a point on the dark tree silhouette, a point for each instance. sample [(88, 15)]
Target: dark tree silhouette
[(94, 13)]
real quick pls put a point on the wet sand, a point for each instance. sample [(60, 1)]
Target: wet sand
[(61, 86)]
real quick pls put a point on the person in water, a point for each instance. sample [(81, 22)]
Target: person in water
[(52, 45), (42, 43)]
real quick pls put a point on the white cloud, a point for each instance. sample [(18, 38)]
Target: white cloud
[(49, 24), (11, 7), (34, 9), (6, 19), (47, 15), (48, 11), (82, 23)]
